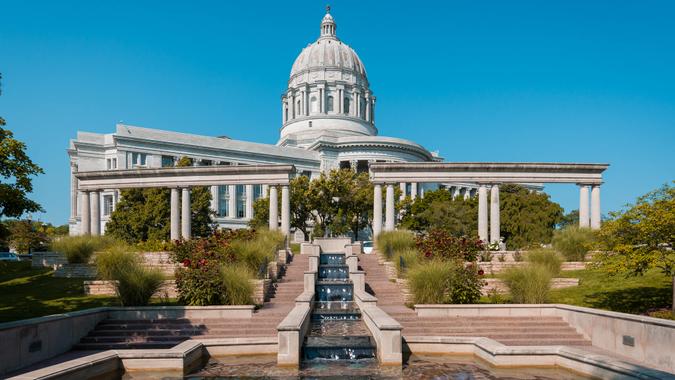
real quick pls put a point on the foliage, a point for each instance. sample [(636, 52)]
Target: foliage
[(527, 217), (444, 282), (641, 237), (27, 236), (389, 243), (255, 253), (406, 259), (237, 287), (301, 211), (438, 209), (16, 170), (547, 258), (440, 244), (154, 246), (528, 284), (79, 249), (144, 214), (134, 283), (570, 219), (261, 212), (573, 242), (206, 262), (485, 256)]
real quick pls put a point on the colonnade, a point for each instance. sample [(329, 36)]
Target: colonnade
[(493, 227), (180, 211)]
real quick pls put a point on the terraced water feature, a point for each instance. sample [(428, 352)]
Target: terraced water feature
[(337, 332)]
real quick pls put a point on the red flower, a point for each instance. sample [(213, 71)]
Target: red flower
[(202, 262), (186, 262), (428, 254), (481, 272)]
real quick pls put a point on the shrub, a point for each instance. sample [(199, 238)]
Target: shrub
[(444, 282), (439, 244), (391, 242), (517, 256), (486, 256), (134, 283), (79, 249), (154, 246), (573, 242), (528, 284), (548, 258), (405, 260), (237, 288)]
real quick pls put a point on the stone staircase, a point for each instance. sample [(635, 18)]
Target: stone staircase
[(166, 333), (511, 331)]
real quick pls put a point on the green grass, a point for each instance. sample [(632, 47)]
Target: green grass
[(635, 295), (295, 248), (28, 293)]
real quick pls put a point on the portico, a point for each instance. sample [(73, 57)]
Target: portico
[(488, 176), (180, 181)]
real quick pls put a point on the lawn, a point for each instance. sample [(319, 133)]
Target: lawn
[(635, 295), (27, 293)]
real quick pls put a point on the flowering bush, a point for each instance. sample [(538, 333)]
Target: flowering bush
[(439, 244)]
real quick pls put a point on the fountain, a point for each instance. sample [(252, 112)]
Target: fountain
[(337, 331)]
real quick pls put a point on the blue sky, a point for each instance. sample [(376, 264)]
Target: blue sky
[(572, 81)]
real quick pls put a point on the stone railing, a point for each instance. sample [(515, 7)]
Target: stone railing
[(498, 285), (332, 244), (47, 259), (75, 271), (292, 330), (29, 341), (645, 339)]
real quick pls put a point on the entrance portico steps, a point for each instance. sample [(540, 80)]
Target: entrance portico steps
[(166, 333), (510, 331)]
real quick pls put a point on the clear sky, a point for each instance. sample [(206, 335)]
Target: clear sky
[(573, 81)]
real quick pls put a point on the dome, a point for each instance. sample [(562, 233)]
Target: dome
[(328, 52)]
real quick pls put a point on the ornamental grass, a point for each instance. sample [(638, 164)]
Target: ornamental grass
[(573, 242), (548, 258), (391, 242), (80, 249), (529, 284), (237, 287)]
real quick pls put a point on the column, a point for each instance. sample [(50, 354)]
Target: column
[(175, 218), (274, 211), (283, 110), (85, 222), (214, 199), (413, 190), (265, 191), (583, 206), (402, 187), (249, 202), (595, 207), (339, 101), (467, 193), (293, 106), (482, 213), (494, 214), (232, 206), (367, 107), (73, 191), (95, 213), (186, 220), (285, 211), (306, 103), (301, 111), (377, 210), (389, 209)]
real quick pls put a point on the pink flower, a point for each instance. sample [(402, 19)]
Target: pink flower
[(186, 262)]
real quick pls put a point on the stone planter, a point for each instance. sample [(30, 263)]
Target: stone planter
[(390, 269), (495, 284), (107, 288), (75, 271), (261, 289)]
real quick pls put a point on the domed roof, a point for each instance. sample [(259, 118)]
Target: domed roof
[(328, 52)]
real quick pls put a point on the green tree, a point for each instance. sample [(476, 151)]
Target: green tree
[(301, 212), (144, 214), (527, 217), (27, 236), (440, 210), (569, 219), (261, 212), (641, 237), (16, 170)]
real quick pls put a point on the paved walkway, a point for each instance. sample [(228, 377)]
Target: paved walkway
[(512, 331), (166, 333)]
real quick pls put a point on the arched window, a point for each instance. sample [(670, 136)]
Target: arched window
[(286, 113), (329, 104), (362, 110), (298, 110), (346, 108), (314, 105)]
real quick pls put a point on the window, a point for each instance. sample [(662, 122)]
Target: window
[(362, 109), (286, 113), (257, 192), (108, 163), (241, 201), (114, 163), (346, 110), (206, 163), (138, 159), (108, 205), (329, 104), (168, 161), (298, 111), (314, 105), (345, 165), (223, 201)]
